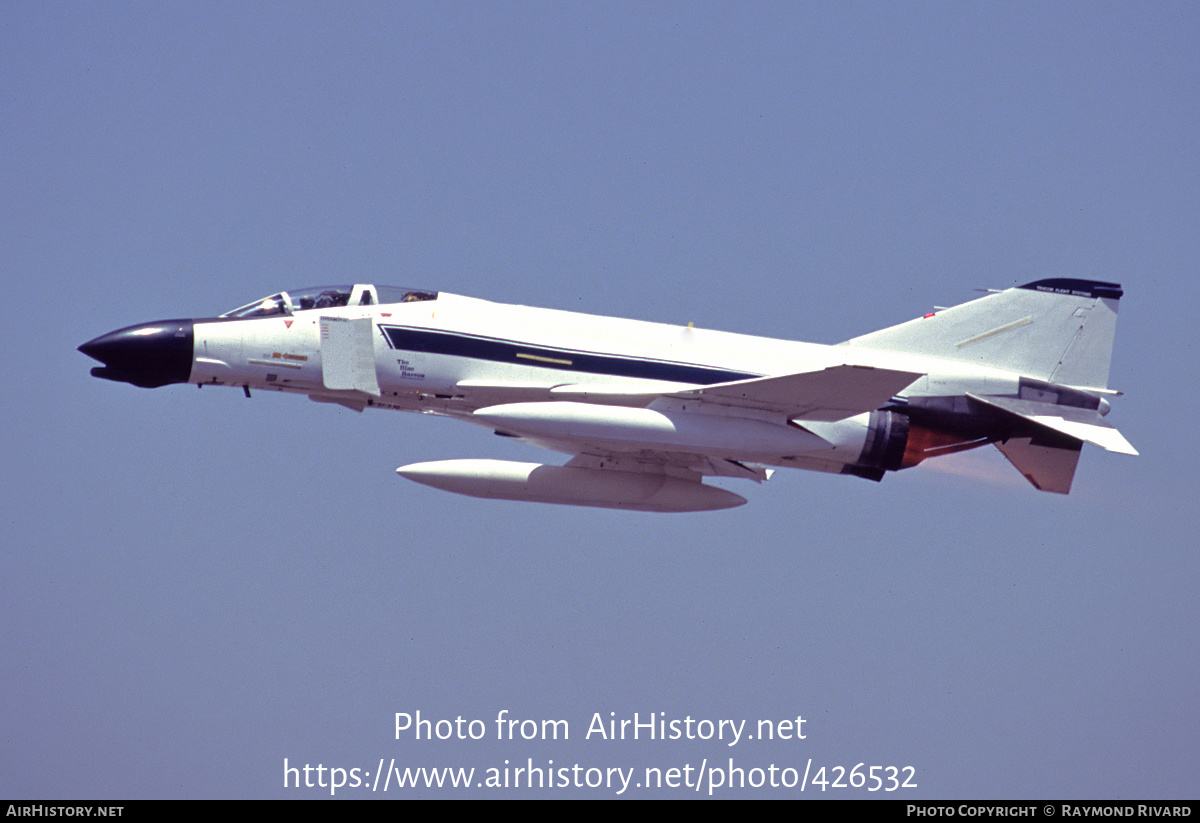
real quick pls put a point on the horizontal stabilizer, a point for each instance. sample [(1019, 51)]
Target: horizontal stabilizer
[(1082, 424), (830, 394), (1049, 468)]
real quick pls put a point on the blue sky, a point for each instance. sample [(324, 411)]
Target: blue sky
[(200, 586)]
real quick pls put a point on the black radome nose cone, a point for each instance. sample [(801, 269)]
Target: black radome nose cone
[(148, 355)]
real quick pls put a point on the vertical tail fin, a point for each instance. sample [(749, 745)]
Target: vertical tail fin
[(1057, 330)]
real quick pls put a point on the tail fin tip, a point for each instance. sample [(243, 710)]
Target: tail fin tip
[(1078, 288)]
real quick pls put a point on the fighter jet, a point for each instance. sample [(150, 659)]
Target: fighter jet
[(648, 410)]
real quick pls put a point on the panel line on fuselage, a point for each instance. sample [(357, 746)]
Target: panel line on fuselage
[(427, 341)]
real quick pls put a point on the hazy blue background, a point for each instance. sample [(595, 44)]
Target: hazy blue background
[(199, 585)]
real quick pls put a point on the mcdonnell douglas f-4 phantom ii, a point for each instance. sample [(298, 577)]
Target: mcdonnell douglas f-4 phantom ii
[(647, 410)]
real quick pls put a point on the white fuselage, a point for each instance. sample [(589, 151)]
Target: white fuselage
[(649, 409), (570, 373), (493, 353)]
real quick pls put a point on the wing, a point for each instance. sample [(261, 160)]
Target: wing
[(831, 394), (689, 432)]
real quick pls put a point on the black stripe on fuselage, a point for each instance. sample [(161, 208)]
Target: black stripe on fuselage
[(406, 338)]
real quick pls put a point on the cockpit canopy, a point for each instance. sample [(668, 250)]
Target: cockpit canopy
[(326, 297)]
